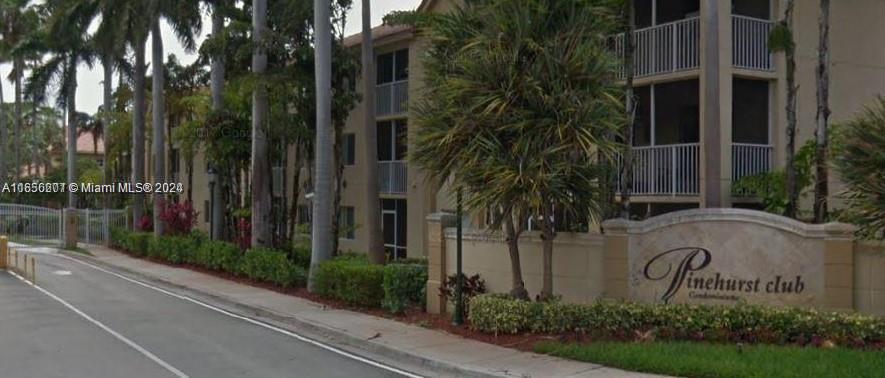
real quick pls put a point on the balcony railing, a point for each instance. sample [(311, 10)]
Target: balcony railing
[(664, 48), (750, 39), (666, 170), (391, 98), (392, 177), (750, 160)]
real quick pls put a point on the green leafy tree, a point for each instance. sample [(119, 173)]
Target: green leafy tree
[(524, 100), (781, 40)]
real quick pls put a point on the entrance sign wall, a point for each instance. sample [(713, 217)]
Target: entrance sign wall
[(729, 256)]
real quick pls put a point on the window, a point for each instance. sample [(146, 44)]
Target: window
[(207, 211), (393, 66), (303, 214), (749, 116), (346, 223), (348, 150), (393, 217), (752, 8), (392, 140)]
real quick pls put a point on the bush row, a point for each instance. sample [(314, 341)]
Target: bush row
[(748, 323), (260, 264), (353, 280)]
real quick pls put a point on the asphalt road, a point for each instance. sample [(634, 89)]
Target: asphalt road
[(83, 322)]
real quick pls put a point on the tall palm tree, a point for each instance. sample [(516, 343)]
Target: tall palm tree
[(821, 187), (66, 38), (321, 242), (630, 102), (217, 89), (3, 136), (781, 40), (373, 202), (17, 21), (159, 120), (261, 206)]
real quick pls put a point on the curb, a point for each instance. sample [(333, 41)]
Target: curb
[(332, 334)]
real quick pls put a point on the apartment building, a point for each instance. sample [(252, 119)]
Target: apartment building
[(711, 108)]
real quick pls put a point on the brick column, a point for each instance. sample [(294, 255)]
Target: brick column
[(436, 259), (70, 234), (4, 251)]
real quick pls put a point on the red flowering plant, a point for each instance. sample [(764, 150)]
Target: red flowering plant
[(178, 218), (145, 224), (244, 234)]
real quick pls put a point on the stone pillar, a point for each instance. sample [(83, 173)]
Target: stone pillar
[(70, 230), (4, 251), (710, 104), (839, 267), (616, 268), (436, 259)]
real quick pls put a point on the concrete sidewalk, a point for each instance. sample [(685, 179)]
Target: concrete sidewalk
[(441, 352)]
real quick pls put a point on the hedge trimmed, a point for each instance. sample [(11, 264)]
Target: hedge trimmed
[(351, 280), (134, 242), (218, 255), (269, 265), (404, 285), (747, 323)]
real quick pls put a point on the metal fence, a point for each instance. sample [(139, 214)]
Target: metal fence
[(42, 224)]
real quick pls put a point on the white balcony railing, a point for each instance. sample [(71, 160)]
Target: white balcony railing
[(664, 48), (666, 170), (391, 98), (750, 159), (750, 43), (392, 177)]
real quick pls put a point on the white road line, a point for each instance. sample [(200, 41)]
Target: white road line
[(107, 329), (252, 321)]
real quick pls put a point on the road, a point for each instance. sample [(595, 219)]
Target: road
[(81, 321)]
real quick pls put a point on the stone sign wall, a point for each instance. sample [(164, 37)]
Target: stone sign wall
[(728, 256)]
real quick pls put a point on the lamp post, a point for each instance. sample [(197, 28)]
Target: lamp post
[(214, 228), (458, 318)]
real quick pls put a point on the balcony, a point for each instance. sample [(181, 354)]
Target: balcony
[(391, 98), (750, 43), (675, 46), (750, 160), (664, 48), (670, 170), (392, 177)]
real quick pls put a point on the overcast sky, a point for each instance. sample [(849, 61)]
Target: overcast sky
[(89, 92)]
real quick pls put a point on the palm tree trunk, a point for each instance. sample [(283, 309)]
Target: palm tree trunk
[(3, 138), (792, 184), (512, 233), (72, 131), (138, 129), (322, 201), (547, 236), (630, 102), (17, 130), (108, 94), (159, 121), (374, 235), (217, 84), (261, 199), (821, 188)]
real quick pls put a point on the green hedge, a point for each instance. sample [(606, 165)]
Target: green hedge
[(133, 242), (404, 285), (351, 280), (750, 323), (269, 265), (218, 255)]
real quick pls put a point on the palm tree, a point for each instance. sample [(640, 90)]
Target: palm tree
[(518, 128), (66, 37), (821, 187), (217, 88), (18, 21), (91, 125), (3, 136), (261, 206), (322, 202), (630, 101), (373, 202), (159, 120), (781, 40)]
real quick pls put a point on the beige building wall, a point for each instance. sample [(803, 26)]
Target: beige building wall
[(869, 277)]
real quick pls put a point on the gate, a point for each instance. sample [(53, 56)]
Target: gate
[(31, 222), (40, 224)]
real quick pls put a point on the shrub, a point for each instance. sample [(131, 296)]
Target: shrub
[(145, 224), (137, 243), (174, 249), (272, 266), (301, 255), (741, 323), (859, 154), (473, 286), (353, 281), (178, 218), (404, 285), (218, 255)]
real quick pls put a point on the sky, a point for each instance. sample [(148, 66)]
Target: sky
[(89, 91)]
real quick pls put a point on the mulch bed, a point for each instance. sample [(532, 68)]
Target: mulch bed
[(415, 316)]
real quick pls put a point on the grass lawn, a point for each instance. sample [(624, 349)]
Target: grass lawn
[(708, 360)]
